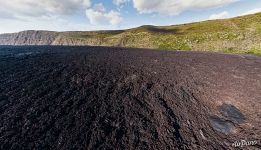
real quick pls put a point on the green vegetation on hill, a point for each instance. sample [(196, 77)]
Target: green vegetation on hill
[(236, 35)]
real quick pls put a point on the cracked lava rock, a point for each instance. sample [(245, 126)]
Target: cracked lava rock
[(54, 97)]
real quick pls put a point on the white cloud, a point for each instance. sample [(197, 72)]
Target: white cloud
[(119, 2), (40, 8), (175, 7), (98, 15), (226, 14), (52, 24), (221, 15), (253, 11), (55, 15)]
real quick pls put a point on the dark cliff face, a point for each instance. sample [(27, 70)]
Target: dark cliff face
[(28, 38)]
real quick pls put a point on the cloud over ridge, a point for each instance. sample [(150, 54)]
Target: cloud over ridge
[(221, 15), (98, 15), (175, 7), (39, 8)]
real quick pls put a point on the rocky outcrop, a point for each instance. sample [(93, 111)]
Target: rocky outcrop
[(32, 37), (28, 38)]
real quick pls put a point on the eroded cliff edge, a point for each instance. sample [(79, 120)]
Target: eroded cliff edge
[(28, 38)]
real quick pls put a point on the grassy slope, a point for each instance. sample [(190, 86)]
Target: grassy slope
[(236, 35)]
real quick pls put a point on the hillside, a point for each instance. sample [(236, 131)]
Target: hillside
[(235, 35)]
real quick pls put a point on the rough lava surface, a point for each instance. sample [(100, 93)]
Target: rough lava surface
[(54, 97)]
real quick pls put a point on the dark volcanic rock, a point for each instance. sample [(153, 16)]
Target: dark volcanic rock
[(115, 98), (221, 125), (232, 113)]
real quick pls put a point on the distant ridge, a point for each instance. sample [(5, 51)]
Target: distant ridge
[(235, 35)]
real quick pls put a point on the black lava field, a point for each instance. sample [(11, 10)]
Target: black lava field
[(58, 97)]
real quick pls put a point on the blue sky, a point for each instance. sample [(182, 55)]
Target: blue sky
[(86, 15)]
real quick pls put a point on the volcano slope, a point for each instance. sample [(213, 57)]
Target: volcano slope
[(115, 98)]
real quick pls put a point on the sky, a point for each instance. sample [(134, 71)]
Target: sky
[(87, 15)]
